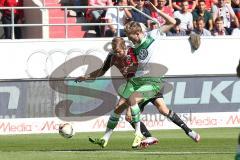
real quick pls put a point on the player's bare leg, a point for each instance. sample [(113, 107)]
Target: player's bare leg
[(163, 109)]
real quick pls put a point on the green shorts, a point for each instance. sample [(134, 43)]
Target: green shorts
[(147, 86)]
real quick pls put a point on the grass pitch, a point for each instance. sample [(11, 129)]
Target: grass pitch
[(216, 144)]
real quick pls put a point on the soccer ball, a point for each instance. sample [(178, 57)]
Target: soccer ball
[(66, 130)]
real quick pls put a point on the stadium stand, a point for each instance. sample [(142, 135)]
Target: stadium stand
[(57, 16), (7, 16), (50, 22)]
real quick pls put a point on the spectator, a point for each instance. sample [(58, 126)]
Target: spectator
[(132, 3), (155, 2), (236, 8), (219, 29), (221, 9), (98, 14), (235, 3), (80, 12), (185, 16), (176, 30), (111, 17), (169, 3), (166, 9), (209, 4), (7, 17), (202, 12), (177, 5), (138, 17), (200, 30)]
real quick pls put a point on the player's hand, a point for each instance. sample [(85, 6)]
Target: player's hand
[(80, 79), (128, 116), (125, 70)]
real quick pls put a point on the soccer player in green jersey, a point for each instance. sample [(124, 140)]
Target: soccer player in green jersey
[(146, 86), (141, 88)]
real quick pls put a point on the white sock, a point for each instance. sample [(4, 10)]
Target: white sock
[(137, 128), (107, 134)]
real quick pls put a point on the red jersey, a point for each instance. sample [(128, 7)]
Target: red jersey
[(12, 3), (122, 63)]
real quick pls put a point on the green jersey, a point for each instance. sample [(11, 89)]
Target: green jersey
[(149, 86)]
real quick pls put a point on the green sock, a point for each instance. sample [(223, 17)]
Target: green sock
[(112, 123), (136, 118), (135, 113), (113, 120)]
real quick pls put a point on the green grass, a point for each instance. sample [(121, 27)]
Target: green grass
[(216, 144)]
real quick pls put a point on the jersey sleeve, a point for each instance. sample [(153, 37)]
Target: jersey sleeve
[(108, 62), (156, 33)]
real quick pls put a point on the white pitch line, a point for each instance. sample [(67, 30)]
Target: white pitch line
[(143, 152)]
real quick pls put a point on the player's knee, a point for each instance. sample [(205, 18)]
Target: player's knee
[(170, 114), (161, 106)]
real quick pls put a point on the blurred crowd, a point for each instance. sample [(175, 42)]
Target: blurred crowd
[(203, 17), (6, 17)]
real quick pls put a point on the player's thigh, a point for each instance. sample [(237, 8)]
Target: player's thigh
[(143, 93), (136, 97)]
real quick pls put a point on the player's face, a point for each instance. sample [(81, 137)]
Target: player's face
[(120, 52), (134, 37)]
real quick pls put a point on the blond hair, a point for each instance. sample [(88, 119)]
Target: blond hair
[(133, 27), (118, 43)]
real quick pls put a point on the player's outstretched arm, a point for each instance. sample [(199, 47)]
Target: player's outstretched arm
[(170, 21), (91, 76)]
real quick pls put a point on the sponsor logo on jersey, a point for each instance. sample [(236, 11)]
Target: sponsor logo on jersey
[(143, 53)]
